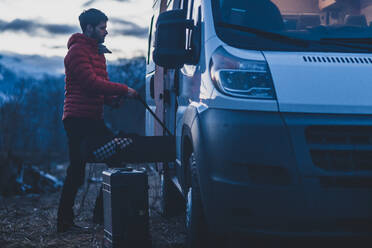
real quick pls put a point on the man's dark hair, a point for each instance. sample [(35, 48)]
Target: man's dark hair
[(92, 17)]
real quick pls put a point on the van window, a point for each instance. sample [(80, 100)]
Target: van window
[(324, 24), (150, 41)]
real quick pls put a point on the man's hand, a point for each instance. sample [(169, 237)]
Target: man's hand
[(132, 93), (116, 102)]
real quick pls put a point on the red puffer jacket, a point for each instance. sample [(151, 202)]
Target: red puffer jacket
[(87, 84)]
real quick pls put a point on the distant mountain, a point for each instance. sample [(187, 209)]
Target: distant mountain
[(33, 69), (129, 71), (32, 66), (14, 67)]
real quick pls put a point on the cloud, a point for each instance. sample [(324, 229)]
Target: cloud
[(129, 28), (18, 25), (33, 27), (60, 29), (55, 46), (139, 33), (90, 2)]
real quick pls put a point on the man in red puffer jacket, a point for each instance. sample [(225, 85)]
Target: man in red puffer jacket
[(87, 90)]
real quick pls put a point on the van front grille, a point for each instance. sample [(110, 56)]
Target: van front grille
[(346, 182), (340, 148), (339, 160)]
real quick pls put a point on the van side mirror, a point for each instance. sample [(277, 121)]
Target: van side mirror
[(170, 39)]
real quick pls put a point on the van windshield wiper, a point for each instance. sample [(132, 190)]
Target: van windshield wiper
[(340, 42), (355, 43), (266, 34)]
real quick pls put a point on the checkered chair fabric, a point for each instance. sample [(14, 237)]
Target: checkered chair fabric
[(112, 147)]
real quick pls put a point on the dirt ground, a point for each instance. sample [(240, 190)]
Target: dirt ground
[(29, 220)]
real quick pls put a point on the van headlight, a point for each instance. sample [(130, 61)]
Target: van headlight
[(241, 77)]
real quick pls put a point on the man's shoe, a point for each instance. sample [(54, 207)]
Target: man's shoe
[(70, 227)]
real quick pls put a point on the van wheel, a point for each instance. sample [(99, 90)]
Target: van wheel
[(196, 227), (171, 200)]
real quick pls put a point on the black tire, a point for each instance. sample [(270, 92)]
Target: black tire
[(171, 200), (196, 226)]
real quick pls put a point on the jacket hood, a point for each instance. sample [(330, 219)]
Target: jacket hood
[(79, 38)]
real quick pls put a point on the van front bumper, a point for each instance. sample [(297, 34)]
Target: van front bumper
[(252, 180)]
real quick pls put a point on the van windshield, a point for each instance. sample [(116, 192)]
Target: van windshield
[(295, 25)]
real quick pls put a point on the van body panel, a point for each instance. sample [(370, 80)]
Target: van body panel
[(149, 125), (286, 211), (296, 165), (221, 101), (321, 86), (207, 20), (247, 164)]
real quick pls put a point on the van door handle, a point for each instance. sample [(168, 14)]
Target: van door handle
[(152, 87)]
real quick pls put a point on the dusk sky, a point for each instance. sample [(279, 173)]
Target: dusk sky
[(42, 27)]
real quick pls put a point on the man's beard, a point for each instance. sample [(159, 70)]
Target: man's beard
[(98, 38)]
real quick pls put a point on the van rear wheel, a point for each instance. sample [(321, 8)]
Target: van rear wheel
[(197, 231), (171, 200)]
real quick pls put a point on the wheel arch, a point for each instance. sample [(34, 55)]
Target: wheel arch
[(187, 146)]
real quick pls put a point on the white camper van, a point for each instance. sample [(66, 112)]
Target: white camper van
[(271, 106)]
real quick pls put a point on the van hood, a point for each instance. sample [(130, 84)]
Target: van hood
[(329, 83)]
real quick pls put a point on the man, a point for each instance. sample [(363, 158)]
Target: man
[(87, 90)]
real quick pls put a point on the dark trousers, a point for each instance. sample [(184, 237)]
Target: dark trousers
[(80, 131)]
